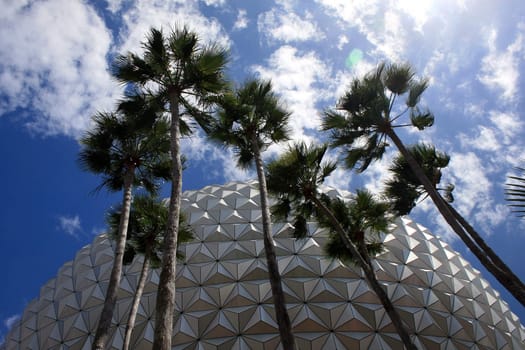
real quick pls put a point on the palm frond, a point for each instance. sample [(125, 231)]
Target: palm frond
[(398, 78), (515, 193)]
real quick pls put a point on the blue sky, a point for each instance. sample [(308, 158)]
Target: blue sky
[(54, 59)]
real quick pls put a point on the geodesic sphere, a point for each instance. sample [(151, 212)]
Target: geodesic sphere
[(224, 299)]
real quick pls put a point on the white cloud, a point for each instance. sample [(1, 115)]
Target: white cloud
[(10, 321), (300, 79), (215, 3), (339, 179), (342, 41), (380, 22), (485, 140), (198, 149), (145, 14), (70, 225), (53, 64), (509, 124), (242, 20), (473, 197), (114, 5), (500, 70), (288, 27)]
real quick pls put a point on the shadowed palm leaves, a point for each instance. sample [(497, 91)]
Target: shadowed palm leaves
[(515, 192), (364, 219), (404, 190), (250, 119), (295, 179), (368, 114), (127, 150), (147, 225), (178, 72)]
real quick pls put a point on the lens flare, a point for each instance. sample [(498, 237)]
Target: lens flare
[(353, 58)]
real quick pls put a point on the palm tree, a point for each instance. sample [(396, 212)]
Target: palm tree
[(370, 116), (250, 120), (148, 219), (515, 192), (295, 179), (404, 190), (127, 150), (177, 72), (364, 219)]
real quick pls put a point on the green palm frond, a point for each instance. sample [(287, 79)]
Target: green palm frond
[(404, 189), (367, 113), (250, 118), (363, 218), (515, 193), (398, 78), (416, 90), (133, 139), (147, 226), (294, 179)]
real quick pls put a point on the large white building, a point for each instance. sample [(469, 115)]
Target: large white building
[(224, 298)]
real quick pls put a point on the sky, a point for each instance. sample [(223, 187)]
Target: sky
[(55, 57)]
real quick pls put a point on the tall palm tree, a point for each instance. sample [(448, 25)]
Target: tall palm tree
[(368, 115), (404, 190), (148, 219), (127, 150), (180, 73), (251, 119), (515, 192), (295, 179), (364, 219)]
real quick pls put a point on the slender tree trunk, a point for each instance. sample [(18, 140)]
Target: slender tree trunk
[(450, 218), (370, 276), (281, 314), (136, 301), (165, 306), (102, 333), (496, 260)]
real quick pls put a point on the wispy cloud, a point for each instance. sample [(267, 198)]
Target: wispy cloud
[(300, 78), (288, 27), (242, 20), (500, 70), (70, 225), (53, 63), (10, 321)]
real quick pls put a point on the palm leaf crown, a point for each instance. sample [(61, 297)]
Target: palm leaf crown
[(294, 179), (120, 142), (368, 112), (251, 116), (404, 189), (147, 225), (176, 63), (363, 218), (515, 192)]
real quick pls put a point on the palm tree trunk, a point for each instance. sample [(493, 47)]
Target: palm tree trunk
[(136, 301), (166, 292), (506, 281), (102, 333), (281, 314), (496, 260), (370, 276)]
